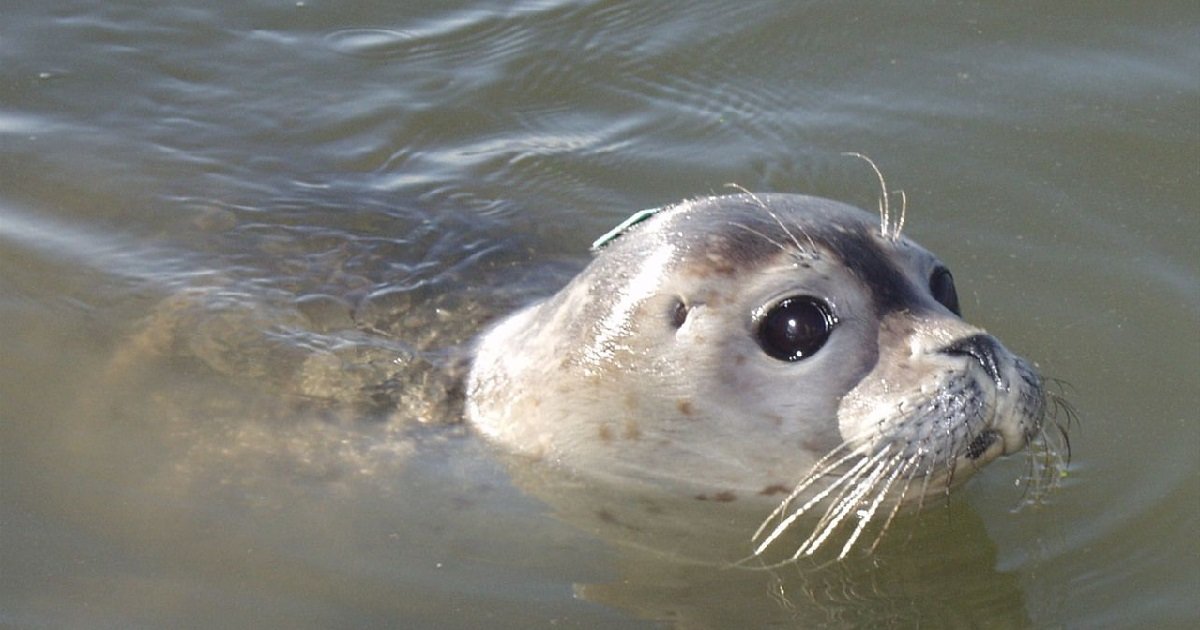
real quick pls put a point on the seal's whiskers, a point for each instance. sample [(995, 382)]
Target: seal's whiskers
[(898, 466), (845, 503), (886, 228), (861, 490), (1049, 452), (812, 245), (808, 481), (823, 467), (910, 465), (758, 233)]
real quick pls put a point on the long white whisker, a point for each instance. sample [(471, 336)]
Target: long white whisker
[(884, 218), (903, 214), (814, 474), (897, 466), (761, 235), (785, 523), (845, 505), (925, 482), (951, 464), (771, 213), (811, 243), (910, 465)]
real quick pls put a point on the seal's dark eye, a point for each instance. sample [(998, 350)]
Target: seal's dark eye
[(679, 313), (795, 328), (941, 285)]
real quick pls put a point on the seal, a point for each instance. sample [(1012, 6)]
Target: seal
[(721, 347)]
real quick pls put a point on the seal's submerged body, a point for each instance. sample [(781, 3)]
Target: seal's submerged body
[(725, 346)]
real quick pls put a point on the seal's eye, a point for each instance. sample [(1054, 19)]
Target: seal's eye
[(795, 328), (679, 313), (941, 285)]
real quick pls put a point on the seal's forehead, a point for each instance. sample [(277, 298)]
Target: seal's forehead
[(738, 234), (757, 227), (760, 224)]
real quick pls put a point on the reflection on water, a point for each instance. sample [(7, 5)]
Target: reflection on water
[(243, 248)]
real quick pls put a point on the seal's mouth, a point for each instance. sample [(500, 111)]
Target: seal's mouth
[(981, 444)]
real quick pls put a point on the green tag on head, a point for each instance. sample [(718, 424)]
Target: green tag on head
[(613, 234)]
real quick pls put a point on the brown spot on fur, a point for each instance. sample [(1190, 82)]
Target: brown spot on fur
[(632, 431), (605, 433), (608, 517), (773, 489), (685, 407), (739, 359), (724, 496)]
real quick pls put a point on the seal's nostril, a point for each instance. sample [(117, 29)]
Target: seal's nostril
[(984, 349)]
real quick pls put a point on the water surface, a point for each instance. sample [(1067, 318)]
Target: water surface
[(196, 200)]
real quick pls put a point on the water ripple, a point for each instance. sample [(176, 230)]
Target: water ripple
[(370, 43)]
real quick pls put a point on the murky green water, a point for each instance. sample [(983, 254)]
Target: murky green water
[(226, 185)]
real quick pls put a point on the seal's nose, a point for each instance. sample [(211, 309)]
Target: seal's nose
[(984, 349)]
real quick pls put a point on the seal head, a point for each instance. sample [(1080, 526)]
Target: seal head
[(726, 345)]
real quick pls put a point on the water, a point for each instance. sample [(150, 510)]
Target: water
[(183, 188)]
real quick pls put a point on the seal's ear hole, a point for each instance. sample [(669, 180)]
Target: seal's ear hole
[(795, 328), (679, 313), (941, 285)]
